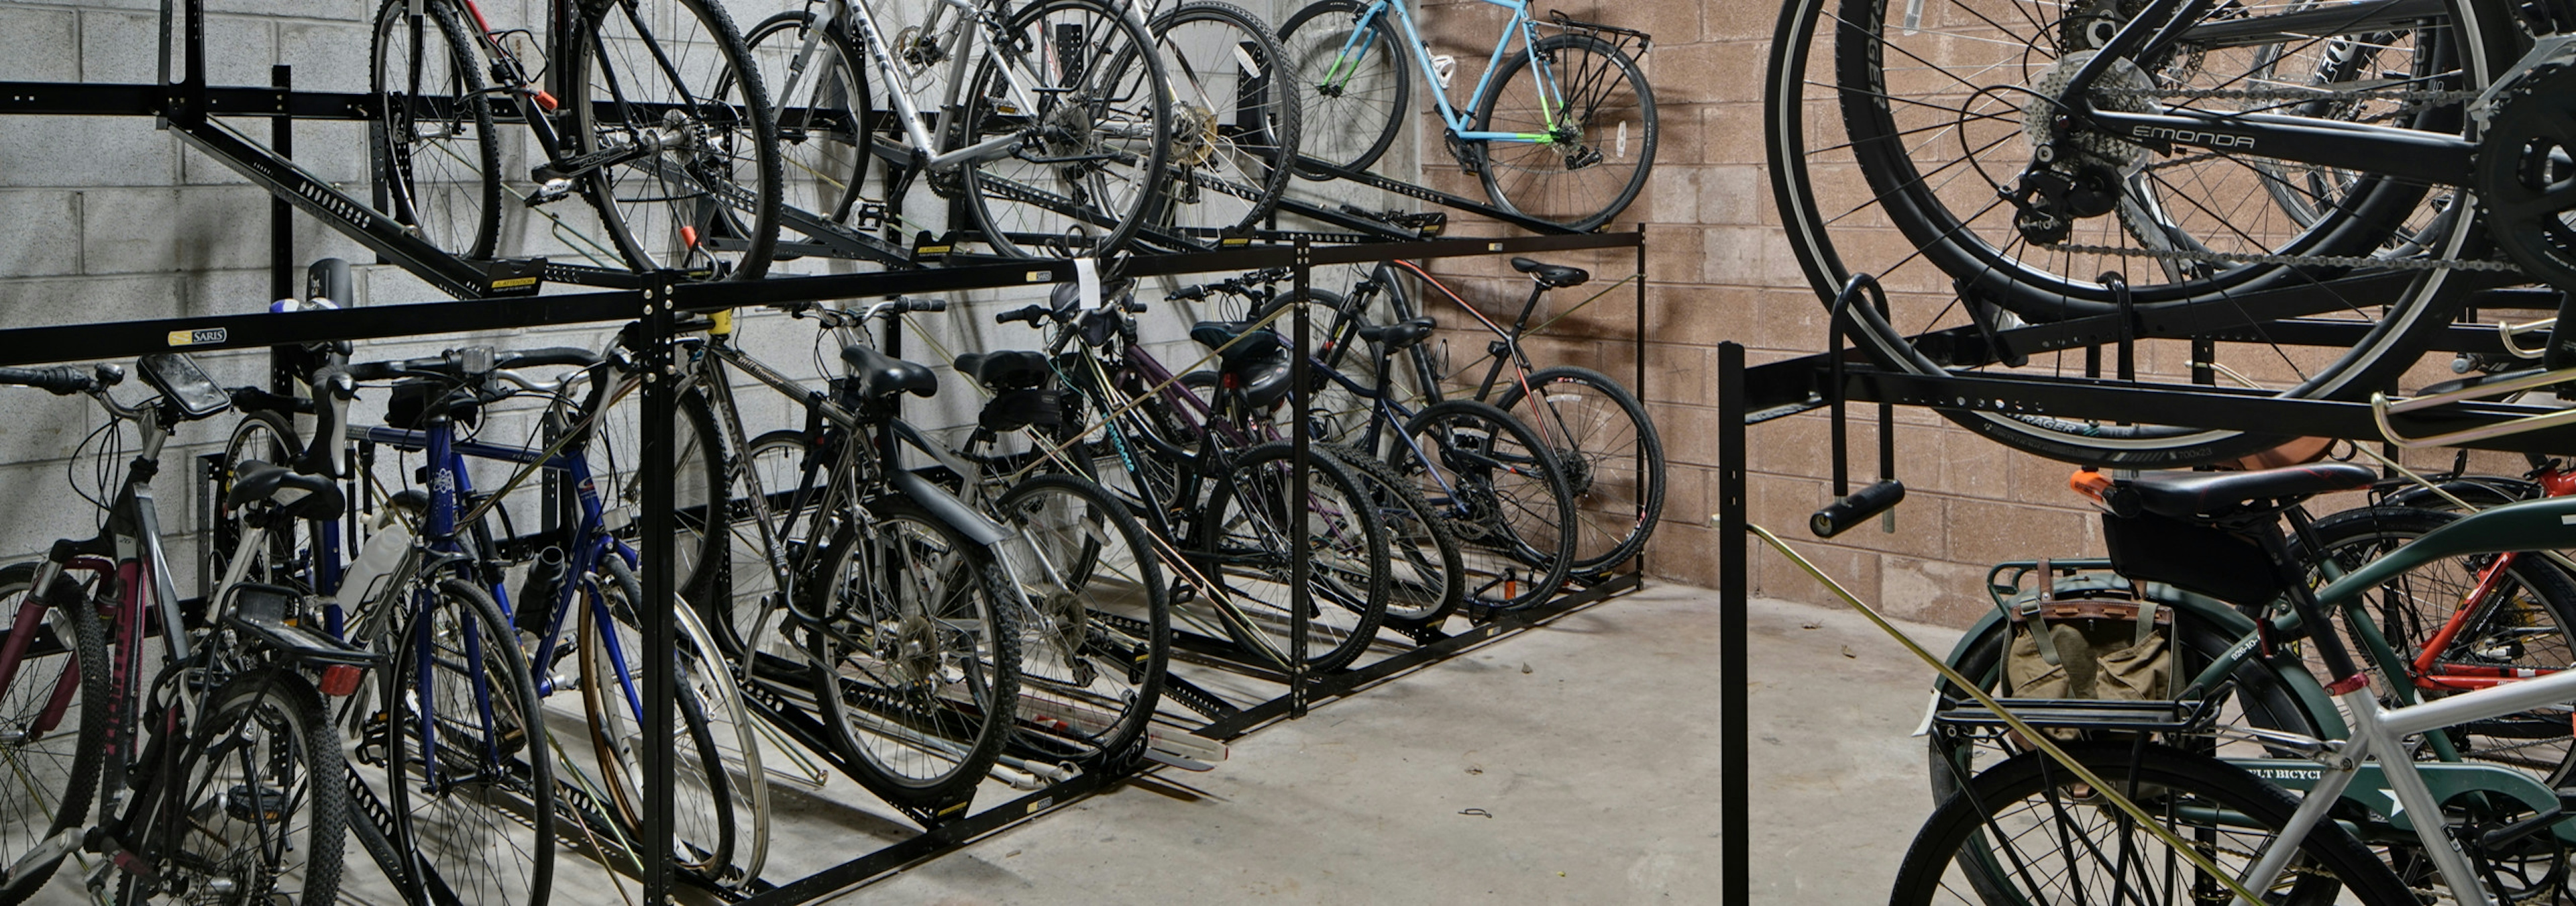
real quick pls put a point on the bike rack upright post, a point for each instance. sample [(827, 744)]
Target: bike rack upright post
[(1733, 726)]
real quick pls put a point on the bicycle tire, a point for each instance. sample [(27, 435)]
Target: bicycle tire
[(698, 464), (2003, 292), (2524, 624), (750, 598), (822, 130), (1246, 550), (1425, 580), (2261, 697), (1528, 178), (690, 214), (454, 820), (53, 780), (1617, 481), (1103, 162), (1501, 491), (900, 647), (704, 829), (439, 176), (1346, 128), (2173, 785), (268, 726), (1093, 649), (1238, 118)]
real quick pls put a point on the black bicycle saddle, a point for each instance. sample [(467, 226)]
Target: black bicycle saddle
[(1397, 336), (1552, 276), (881, 375), (2183, 495), (1010, 370), (1258, 365), (255, 481)]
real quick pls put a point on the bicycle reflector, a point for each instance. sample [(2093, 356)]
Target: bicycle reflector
[(338, 680)]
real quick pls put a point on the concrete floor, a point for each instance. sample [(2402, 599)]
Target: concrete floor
[(1576, 763)]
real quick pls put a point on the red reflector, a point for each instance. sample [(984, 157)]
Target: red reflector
[(546, 102), (689, 237), (340, 680)]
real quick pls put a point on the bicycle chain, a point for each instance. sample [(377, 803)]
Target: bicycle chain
[(2430, 98), (2339, 261)]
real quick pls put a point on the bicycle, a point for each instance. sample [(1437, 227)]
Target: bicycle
[(212, 773), (1489, 479), (650, 111), (1569, 142), (2513, 824), (1225, 499), (580, 577), (1058, 140), (2065, 173), (1612, 456)]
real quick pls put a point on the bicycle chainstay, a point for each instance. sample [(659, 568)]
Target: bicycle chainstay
[(2411, 99)]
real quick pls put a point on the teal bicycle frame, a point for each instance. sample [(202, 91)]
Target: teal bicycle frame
[(1371, 19)]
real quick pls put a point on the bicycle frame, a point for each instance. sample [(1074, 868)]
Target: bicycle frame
[(1521, 24), (922, 137)]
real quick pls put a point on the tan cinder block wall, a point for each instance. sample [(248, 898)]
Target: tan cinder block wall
[(1719, 270)]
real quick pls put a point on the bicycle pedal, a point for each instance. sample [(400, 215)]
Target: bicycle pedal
[(549, 191)]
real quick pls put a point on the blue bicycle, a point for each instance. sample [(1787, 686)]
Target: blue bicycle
[(1562, 130)]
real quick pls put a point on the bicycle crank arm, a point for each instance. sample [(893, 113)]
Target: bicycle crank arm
[(46, 852), (995, 148), (653, 142)]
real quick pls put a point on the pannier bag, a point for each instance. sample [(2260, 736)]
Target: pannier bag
[(2089, 648)]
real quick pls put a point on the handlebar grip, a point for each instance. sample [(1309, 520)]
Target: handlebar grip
[(1034, 314), (59, 380), (1857, 508), (551, 355), (374, 371), (925, 305), (1133, 305)]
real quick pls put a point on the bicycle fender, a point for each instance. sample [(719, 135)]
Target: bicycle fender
[(2369, 788), (945, 507)]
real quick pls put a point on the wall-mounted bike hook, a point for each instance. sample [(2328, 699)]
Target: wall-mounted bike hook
[(1850, 509)]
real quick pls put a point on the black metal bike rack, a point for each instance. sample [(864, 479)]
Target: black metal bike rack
[(661, 299), (1752, 395)]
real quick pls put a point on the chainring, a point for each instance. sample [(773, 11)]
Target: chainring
[(2526, 175)]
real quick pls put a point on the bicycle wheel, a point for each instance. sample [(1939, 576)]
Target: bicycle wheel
[(1249, 535), (616, 446), (2258, 694), (1598, 116), (437, 160), (613, 665), (261, 809), (1612, 455), (746, 615), (1236, 118), (924, 647), (474, 784), (2511, 623), (1426, 578), (667, 91), (1932, 104), (1098, 629), (822, 104), (2029, 832), (53, 727), (1077, 81), (1501, 492), (1352, 81), (269, 437)]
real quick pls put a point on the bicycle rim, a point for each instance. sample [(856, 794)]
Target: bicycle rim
[(1595, 116), (52, 776), (613, 667), (1098, 625), (822, 113), (1612, 456), (1253, 526), (698, 182), (1355, 91), (1235, 118), (1887, 189), (1076, 78), (261, 814), (1502, 494), (481, 812), (438, 157)]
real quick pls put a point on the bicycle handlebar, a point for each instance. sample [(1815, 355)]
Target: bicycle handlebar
[(61, 380), (473, 361)]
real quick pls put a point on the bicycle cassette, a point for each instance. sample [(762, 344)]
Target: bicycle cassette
[(2526, 174)]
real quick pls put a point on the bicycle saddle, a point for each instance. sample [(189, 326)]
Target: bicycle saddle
[(1259, 366), (880, 375), (2183, 495), (1011, 370), (1552, 276), (254, 481), (1397, 336)]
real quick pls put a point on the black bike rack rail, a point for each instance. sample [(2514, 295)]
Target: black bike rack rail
[(659, 300), (1753, 395)]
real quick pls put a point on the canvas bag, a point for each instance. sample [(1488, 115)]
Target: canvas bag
[(2089, 648)]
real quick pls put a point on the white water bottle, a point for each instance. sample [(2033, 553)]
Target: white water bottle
[(382, 555)]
